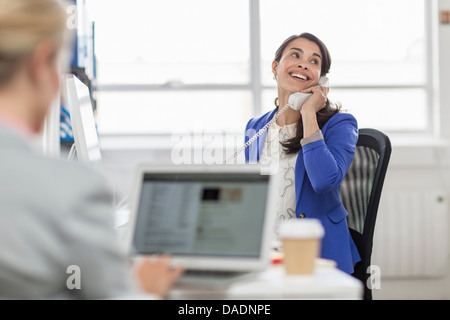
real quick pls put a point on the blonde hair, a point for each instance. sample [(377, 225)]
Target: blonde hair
[(23, 25)]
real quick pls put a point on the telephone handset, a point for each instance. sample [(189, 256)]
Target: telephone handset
[(295, 101)]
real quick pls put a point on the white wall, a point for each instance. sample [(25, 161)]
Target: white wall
[(425, 165), (444, 71)]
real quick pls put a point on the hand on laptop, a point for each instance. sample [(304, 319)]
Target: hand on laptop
[(156, 275)]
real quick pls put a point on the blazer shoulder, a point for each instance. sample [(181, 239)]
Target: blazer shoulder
[(341, 119), (70, 181), (343, 116), (63, 169)]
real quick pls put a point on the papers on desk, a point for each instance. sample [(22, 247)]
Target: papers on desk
[(325, 263)]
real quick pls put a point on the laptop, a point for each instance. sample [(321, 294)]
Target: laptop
[(216, 221)]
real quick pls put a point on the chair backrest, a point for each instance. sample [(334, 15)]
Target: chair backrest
[(361, 192)]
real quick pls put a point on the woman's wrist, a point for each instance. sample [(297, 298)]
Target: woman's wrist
[(307, 113), (309, 110), (310, 124)]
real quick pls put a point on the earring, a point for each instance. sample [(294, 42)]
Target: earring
[(274, 77)]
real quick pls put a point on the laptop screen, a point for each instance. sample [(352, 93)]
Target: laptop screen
[(209, 214)]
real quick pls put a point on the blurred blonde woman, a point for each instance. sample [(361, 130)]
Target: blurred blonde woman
[(55, 216)]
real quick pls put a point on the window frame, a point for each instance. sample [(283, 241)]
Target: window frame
[(256, 87)]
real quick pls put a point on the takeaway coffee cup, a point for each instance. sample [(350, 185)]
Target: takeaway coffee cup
[(301, 240)]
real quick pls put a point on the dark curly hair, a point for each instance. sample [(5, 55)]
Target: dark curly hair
[(293, 146)]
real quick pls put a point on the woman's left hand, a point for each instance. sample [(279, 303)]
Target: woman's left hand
[(317, 101)]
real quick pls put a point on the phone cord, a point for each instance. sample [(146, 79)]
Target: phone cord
[(260, 132)]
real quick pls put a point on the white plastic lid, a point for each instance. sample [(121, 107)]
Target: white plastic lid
[(301, 228)]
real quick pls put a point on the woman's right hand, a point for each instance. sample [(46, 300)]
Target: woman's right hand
[(156, 275), (316, 101)]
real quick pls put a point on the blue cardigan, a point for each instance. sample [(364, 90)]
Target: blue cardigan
[(319, 171)]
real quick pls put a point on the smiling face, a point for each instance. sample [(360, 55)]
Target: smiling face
[(299, 67)]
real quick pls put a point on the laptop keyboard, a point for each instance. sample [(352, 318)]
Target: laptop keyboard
[(213, 273), (211, 278)]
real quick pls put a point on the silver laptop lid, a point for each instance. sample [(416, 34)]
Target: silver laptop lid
[(206, 217)]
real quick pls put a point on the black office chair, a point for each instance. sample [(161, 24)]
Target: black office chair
[(361, 192)]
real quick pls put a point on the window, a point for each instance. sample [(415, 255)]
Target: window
[(172, 65), (379, 63)]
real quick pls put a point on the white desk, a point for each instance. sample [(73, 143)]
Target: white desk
[(326, 283), (274, 284)]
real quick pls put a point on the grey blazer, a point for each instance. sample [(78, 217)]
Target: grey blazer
[(56, 214)]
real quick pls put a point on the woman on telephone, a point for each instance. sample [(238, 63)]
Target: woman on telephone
[(312, 147)]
